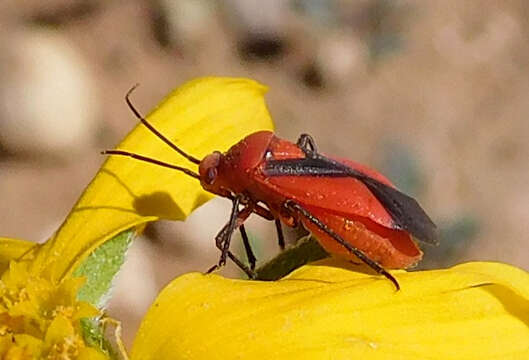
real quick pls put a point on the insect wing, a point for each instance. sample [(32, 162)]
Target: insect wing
[(390, 248), (343, 195), (346, 187)]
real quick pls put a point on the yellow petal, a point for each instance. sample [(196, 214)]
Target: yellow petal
[(59, 329), (201, 116), (472, 311), (88, 353), (85, 310), (515, 279), (11, 249), (23, 347)]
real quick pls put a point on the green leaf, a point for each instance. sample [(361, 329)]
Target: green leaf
[(101, 267), (94, 336), (92, 333)]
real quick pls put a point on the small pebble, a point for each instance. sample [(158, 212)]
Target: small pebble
[(48, 99)]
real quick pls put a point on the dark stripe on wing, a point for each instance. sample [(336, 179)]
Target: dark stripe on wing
[(404, 210)]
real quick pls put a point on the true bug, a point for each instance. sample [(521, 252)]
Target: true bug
[(354, 211)]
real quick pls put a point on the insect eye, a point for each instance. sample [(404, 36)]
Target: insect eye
[(211, 175)]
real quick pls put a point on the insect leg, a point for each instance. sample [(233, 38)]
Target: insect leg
[(280, 236), (232, 256), (223, 238), (258, 209), (247, 247), (291, 205), (307, 144), (249, 272), (266, 214), (263, 212)]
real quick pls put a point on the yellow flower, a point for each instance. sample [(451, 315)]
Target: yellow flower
[(327, 311), (39, 318), (39, 308), (320, 311)]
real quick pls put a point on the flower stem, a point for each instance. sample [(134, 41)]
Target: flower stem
[(306, 250)]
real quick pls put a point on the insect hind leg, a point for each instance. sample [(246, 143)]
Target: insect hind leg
[(293, 206)]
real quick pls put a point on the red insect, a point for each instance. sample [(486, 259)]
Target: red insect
[(355, 212)]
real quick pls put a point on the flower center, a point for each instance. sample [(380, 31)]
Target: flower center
[(40, 318)]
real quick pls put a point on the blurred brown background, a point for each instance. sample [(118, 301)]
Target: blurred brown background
[(434, 94)]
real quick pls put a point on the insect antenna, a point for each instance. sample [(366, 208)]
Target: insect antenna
[(151, 160), (153, 129)]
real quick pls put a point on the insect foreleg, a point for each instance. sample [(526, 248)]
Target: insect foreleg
[(265, 214), (307, 144), (292, 206), (223, 238), (258, 209), (235, 259), (239, 263)]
